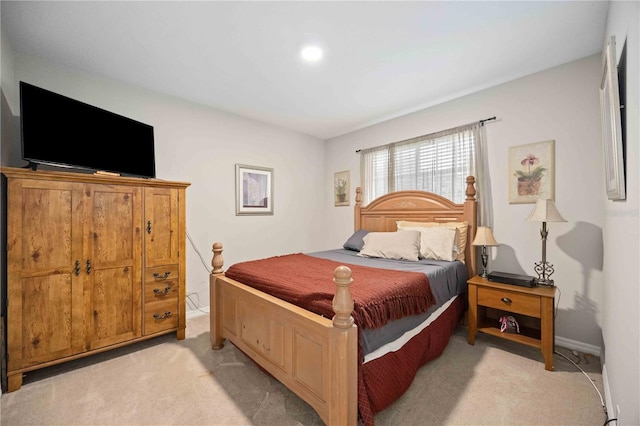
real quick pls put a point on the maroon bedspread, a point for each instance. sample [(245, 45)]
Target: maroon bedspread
[(379, 295)]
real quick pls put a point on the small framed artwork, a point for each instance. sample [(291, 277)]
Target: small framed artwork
[(611, 125), (531, 172), (341, 188), (254, 190)]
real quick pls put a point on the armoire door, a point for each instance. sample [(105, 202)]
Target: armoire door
[(112, 264), (161, 226), (44, 283)]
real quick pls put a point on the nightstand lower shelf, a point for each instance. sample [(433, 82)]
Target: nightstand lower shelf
[(523, 337)]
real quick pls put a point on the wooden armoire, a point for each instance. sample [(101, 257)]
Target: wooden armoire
[(94, 262)]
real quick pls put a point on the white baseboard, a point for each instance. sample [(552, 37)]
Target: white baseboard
[(197, 312), (574, 345)]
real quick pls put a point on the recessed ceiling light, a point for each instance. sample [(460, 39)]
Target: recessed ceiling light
[(311, 53)]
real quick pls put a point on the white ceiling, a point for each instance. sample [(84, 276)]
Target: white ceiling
[(382, 59)]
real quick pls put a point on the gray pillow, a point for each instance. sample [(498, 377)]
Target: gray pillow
[(356, 242)]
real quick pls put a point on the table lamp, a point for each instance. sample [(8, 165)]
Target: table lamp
[(484, 238), (544, 211)]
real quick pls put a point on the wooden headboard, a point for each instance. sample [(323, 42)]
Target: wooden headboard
[(382, 213)]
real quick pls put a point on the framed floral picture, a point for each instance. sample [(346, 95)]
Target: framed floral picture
[(531, 172), (341, 188), (254, 190)]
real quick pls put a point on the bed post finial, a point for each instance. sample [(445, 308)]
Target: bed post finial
[(342, 300), (471, 190), (358, 196), (217, 260)]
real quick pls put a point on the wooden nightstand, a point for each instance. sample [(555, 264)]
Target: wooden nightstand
[(532, 308)]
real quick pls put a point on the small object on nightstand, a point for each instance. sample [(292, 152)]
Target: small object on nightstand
[(484, 238), (515, 279), (509, 324)]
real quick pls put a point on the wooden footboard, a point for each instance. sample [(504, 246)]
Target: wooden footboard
[(314, 357)]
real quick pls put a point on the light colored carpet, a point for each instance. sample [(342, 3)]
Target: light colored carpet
[(168, 382)]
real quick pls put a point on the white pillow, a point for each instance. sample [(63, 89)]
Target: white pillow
[(403, 245), (461, 239), (437, 243)]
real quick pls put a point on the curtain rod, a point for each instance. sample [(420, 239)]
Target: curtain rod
[(487, 119), (479, 121)]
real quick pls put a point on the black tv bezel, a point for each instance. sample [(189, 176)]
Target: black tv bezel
[(34, 162)]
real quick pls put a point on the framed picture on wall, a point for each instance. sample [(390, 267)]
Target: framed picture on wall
[(341, 188), (531, 172), (254, 190), (612, 125)]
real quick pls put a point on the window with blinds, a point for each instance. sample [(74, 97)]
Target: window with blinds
[(438, 163)]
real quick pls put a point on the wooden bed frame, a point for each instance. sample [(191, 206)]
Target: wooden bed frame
[(313, 356)]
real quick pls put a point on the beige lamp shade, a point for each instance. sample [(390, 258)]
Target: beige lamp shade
[(545, 211), (484, 237)]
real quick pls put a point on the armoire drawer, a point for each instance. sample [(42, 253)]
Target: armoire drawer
[(161, 315), (161, 273)]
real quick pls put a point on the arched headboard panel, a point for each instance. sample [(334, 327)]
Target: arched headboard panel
[(381, 214)]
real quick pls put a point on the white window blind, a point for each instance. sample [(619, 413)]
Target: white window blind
[(438, 162)]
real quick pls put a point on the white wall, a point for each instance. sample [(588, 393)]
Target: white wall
[(200, 145), (560, 104), (621, 305), (8, 125)]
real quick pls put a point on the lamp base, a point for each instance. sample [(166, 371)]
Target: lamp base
[(544, 270), (546, 283), (485, 258)]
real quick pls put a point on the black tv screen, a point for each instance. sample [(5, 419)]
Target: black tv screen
[(60, 131)]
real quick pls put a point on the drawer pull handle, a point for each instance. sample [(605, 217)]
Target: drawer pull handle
[(76, 268), (161, 277), (506, 300), (149, 227), (161, 317), (159, 292)]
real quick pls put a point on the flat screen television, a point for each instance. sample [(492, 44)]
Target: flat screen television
[(60, 131)]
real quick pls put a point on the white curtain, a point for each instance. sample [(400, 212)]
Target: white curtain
[(483, 178), (439, 163)]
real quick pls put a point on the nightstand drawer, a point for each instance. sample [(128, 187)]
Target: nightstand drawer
[(511, 301)]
